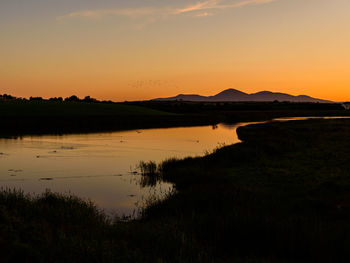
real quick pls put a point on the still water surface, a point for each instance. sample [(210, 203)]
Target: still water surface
[(101, 166)]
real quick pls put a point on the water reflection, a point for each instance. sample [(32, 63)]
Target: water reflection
[(101, 166)]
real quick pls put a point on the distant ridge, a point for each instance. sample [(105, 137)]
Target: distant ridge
[(232, 95)]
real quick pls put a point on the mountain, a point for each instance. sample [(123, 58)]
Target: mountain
[(230, 95), (236, 95)]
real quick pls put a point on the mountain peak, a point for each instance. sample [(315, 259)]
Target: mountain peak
[(232, 95), (231, 91)]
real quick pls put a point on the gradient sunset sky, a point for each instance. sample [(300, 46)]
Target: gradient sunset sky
[(141, 49)]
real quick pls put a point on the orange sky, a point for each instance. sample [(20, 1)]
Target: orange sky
[(133, 51)]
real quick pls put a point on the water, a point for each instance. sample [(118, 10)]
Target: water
[(101, 166)]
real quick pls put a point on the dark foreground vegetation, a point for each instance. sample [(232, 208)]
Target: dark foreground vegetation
[(73, 115), (283, 195), (52, 117)]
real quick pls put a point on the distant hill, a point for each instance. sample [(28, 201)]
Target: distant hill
[(231, 95)]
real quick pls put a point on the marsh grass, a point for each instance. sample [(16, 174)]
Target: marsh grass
[(37, 227), (276, 196), (149, 168), (150, 173)]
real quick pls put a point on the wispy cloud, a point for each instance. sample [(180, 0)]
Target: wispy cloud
[(220, 4), (199, 9), (210, 4)]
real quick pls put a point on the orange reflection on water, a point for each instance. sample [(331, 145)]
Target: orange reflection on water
[(98, 166)]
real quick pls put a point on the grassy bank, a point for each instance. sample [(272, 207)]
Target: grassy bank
[(59, 228), (50, 117), (280, 196), (21, 117), (245, 111)]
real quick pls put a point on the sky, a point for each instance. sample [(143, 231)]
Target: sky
[(142, 49)]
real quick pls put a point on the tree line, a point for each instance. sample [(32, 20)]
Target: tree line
[(73, 98)]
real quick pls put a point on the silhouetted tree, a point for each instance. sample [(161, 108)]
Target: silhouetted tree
[(7, 97), (35, 98), (56, 99), (72, 98), (89, 99)]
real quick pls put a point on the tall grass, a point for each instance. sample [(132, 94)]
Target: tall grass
[(150, 173)]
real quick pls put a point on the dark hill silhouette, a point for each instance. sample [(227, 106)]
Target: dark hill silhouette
[(236, 95), (230, 95)]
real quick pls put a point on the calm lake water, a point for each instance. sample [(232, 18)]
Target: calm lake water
[(100, 166)]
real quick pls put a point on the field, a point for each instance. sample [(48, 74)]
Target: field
[(280, 196), (50, 117), (21, 117)]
